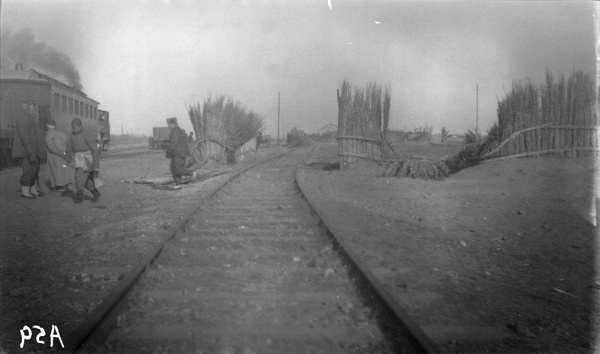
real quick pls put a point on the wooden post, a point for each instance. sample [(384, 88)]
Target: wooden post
[(597, 35), (278, 111), (477, 112), (597, 81)]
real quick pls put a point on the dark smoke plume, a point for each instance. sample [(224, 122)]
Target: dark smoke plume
[(21, 47)]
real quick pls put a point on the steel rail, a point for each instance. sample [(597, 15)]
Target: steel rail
[(398, 324), (398, 327), (79, 337)]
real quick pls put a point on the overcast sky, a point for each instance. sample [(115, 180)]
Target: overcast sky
[(144, 60)]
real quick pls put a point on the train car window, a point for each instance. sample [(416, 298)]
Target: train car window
[(87, 110), (76, 107), (81, 108), (70, 105), (64, 104), (94, 113), (56, 103)]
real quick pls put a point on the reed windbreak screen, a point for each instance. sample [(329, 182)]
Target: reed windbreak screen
[(363, 117), (559, 118)]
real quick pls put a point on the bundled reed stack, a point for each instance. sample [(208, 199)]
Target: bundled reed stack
[(222, 127), (363, 118), (558, 118)]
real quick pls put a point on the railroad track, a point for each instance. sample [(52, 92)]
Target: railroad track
[(111, 154), (251, 270)]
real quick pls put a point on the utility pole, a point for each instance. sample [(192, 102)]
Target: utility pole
[(597, 35), (597, 108), (278, 110), (477, 112)]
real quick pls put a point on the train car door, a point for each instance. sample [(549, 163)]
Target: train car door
[(43, 116), (10, 109)]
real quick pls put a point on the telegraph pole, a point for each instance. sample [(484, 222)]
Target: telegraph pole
[(477, 112), (278, 111), (597, 35), (597, 108)]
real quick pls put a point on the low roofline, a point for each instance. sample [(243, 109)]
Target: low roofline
[(328, 125), (26, 76), (35, 81)]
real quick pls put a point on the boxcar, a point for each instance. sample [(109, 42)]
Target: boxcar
[(54, 99)]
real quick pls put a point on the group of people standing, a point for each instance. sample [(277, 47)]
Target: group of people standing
[(72, 159)]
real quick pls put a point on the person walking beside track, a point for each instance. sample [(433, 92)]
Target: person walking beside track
[(84, 151), (29, 146), (61, 172), (178, 151)]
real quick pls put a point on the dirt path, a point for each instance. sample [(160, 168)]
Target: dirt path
[(508, 246), (254, 272), (499, 257), (55, 254)]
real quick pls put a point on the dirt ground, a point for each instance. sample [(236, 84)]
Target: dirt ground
[(500, 257), (58, 258)]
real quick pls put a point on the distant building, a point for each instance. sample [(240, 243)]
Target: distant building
[(329, 128)]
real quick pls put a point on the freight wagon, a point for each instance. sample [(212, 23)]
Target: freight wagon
[(160, 137), (54, 99)]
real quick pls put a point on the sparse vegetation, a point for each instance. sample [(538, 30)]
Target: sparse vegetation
[(445, 134), (422, 168), (297, 138), (467, 157), (471, 137)]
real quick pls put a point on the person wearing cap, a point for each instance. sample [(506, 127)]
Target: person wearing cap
[(28, 145), (178, 151), (60, 172), (82, 149)]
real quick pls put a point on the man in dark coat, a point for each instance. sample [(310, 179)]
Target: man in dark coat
[(29, 145), (178, 151)]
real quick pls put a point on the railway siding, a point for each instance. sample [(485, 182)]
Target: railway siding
[(257, 248), (265, 281)]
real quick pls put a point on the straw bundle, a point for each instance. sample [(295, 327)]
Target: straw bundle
[(223, 126)]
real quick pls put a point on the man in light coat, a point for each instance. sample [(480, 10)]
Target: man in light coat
[(61, 173)]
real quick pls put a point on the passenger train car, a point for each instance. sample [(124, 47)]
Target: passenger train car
[(54, 99)]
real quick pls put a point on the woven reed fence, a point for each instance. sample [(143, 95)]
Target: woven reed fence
[(248, 148), (363, 119), (560, 118)]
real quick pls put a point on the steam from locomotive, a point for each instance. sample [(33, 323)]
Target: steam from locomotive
[(21, 47), (33, 70)]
